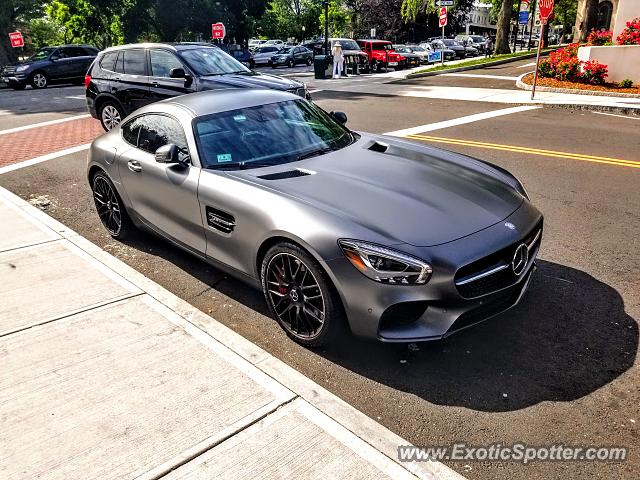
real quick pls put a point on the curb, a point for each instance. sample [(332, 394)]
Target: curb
[(504, 61), (356, 422), (574, 91)]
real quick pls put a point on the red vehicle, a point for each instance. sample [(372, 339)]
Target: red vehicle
[(382, 55)]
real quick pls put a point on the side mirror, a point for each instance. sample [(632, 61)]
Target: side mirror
[(340, 117), (177, 73), (167, 154)]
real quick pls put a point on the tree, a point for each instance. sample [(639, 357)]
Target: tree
[(339, 18), (565, 11), (90, 21), (504, 26), (286, 18), (45, 31), (14, 14)]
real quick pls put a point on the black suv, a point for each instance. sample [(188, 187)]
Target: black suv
[(123, 79), (62, 64)]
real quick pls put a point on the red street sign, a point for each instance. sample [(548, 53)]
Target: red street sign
[(16, 39), (545, 9), (443, 16), (218, 31)]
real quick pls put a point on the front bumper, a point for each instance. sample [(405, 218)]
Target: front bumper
[(15, 79), (401, 313)]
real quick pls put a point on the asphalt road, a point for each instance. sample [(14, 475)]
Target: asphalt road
[(559, 368)]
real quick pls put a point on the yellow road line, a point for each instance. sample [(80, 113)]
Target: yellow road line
[(531, 151)]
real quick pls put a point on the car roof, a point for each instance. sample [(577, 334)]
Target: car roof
[(216, 101), (373, 40), (170, 46)]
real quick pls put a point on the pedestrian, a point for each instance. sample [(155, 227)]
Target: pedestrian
[(488, 47), (338, 60)]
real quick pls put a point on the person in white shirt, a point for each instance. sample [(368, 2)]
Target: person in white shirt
[(338, 60)]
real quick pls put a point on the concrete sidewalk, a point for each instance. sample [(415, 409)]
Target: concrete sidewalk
[(106, 375)]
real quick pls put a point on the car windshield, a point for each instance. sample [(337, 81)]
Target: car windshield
[(402, 49), (381, 46), (478, 39), (284, 50), (347, 44), (42, 54), (418, 49), (449, 43), (266, 50), (269, 134), (212, 61)]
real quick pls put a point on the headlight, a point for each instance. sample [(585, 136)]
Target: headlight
[(21, 68), (385, 265)]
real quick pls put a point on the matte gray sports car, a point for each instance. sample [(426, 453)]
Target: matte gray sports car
[(399, 241)]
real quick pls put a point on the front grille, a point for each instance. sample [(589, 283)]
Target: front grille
[(9, 70), (494, 272)]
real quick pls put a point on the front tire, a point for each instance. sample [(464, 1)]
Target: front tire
[(39, 80), (308, 62), (300, 296), (291, 64), (374, 67), (110, 115), (110, 207)]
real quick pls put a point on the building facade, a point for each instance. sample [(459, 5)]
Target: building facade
[(479, 21), (607, 11)]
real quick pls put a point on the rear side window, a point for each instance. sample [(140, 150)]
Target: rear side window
[(135, 62), (130, 132), (159, 130), (75, 52), (108, 61)]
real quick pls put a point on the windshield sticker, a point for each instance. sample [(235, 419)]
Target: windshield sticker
[(224, 157), (239, 118)]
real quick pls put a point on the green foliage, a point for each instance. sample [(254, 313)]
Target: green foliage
[(45, 31), (626, 83), (91, 21), (339, 18), (286, 18)]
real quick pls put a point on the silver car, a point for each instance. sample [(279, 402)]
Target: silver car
[(395, 240), (262, 55)]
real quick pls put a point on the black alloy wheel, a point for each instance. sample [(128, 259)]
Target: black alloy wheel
[(109, 207), (300, 296)]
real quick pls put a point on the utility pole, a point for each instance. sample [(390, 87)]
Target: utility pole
[(531, 20), (515, 37), (325, 3)]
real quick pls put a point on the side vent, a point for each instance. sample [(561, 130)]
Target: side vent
[(287, 174), (220, 220), (379, 147)]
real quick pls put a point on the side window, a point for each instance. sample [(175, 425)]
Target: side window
[(75, 52), (159, 130), (162, 62), (119, 66), (135, 62), (131, 130), (108, 61)]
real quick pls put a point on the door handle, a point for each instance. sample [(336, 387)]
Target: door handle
[(134, 166), (154, 84)]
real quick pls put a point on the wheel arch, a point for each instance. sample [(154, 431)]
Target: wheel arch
[(105, 97)]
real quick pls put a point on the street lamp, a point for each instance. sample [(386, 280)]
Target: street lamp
[(325, 4)]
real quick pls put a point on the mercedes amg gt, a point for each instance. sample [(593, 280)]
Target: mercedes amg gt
[(396, 240)]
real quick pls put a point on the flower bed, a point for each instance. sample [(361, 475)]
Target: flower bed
[(564, 65), (607, 87), (631, 34)]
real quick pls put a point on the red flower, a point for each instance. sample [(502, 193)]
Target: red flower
[(631, 34)]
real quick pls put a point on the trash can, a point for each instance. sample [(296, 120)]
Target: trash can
[(322, 66)]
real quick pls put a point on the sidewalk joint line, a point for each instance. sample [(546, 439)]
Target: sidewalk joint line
[(29, 245)]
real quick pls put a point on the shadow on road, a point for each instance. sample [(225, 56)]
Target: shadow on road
[(569, 337)]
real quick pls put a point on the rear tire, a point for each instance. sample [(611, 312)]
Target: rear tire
[(109, 206), (300, 296), (110, 115)]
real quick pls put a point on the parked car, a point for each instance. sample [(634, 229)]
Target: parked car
[(352, 52), (61, 64), (292, 56), (274, 42), (422, 52), (262, 55), (413, 59), (476, 41), (451, 44), (255, 43), (239, 52), (123, 79), (380, 55), (437, 45), (392, 240)]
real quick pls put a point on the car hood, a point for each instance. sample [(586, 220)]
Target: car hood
[(249, 80), (409, 194)]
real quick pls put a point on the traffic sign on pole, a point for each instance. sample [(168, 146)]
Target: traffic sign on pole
[(16, 39), (443, 16), (445, 3), (218, 31), (545, 8)]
